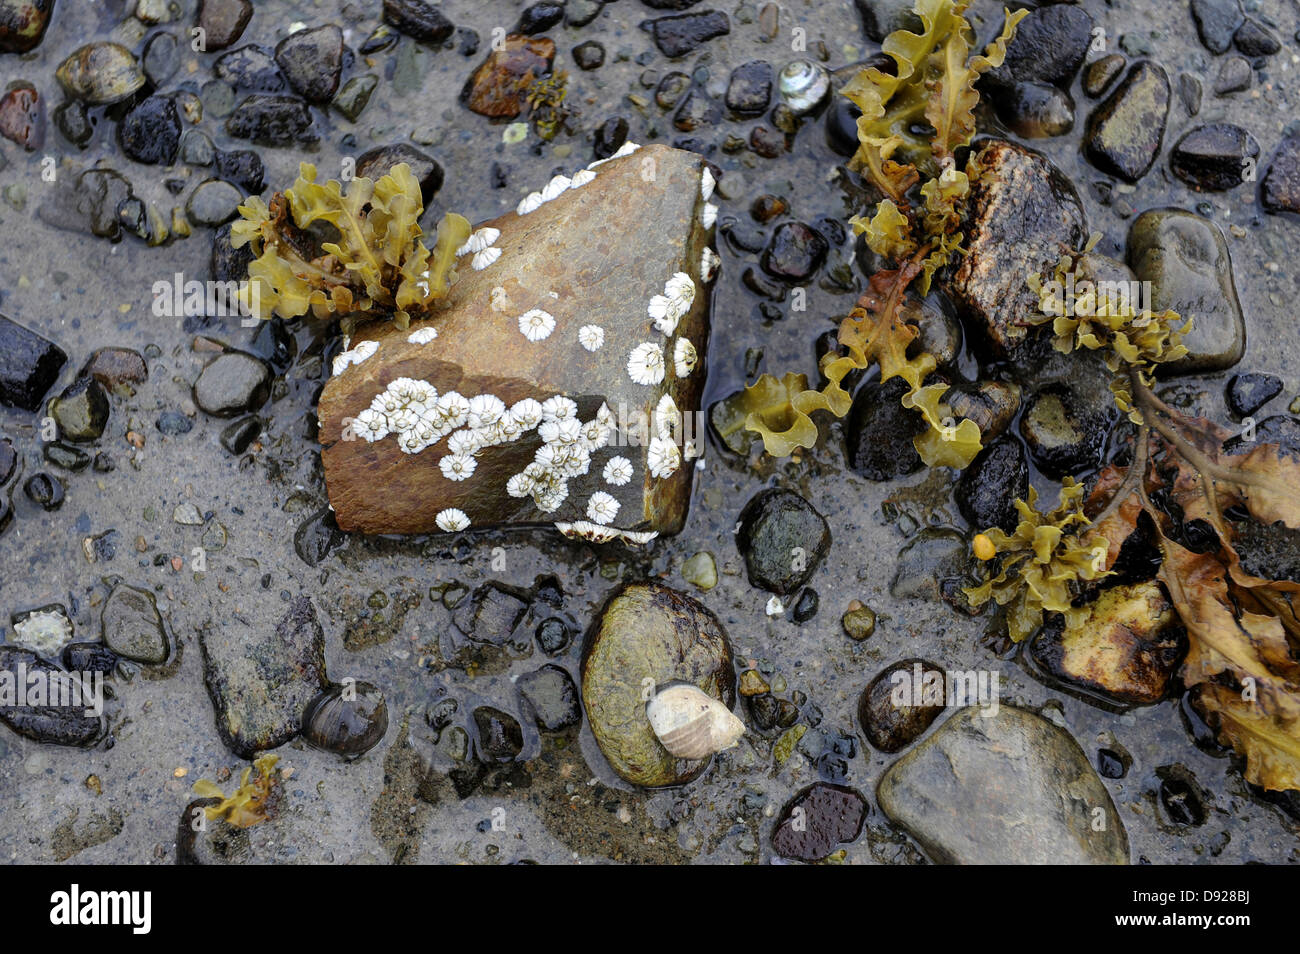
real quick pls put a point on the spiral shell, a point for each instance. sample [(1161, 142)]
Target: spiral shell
[(691, 724), (990, 404), (804, 86)]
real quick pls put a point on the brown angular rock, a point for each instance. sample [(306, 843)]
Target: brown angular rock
[(547, 331), (497, 88)]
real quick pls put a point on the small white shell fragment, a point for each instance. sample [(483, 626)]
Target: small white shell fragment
[(536, 325), (618, 471), (499, 299), (591, 337), (691, 724), (346, 359), (485, 258), (775, 607), (685, 357), (422, 336), (585, 530), (663, 457), (530, 203), (709, 263), (707, 183), (451, 520), (709, 215)]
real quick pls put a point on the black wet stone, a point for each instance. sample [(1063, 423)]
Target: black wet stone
[(243, 167), (8, 460), (375, 163), (749, 90), (610, 137), (317, 536), (1049, 47), (89, 657), (73, 122), (1216, 22), (500, 738), (1036, 110), (238, 436), (553, 635), (151, 132), (1254, 39), (44, 490), (589, 55), (81, 410), (1215, 157), (539, 18), (213, 202), (1181, 798), (842, 126), (1065, 432), (227, 262), (806, 606), (1126, 129), (223, 21), (1101, 73), (353, 98), (491, 615), (1234, 76), (418, 19), (987, 490), (551, 696), (685, 33), (55, 724), (161, 58), (65, 456), (272, 121), (795, 252), (312, 61), (697, 110), (1280, 191), (818, 820), (890, 726), (232, 384), (251, 68), (783, 539), (1111, 764), (29, 365), (578, 13), (879, 437)]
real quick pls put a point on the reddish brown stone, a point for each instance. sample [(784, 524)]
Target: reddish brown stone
[(497, 88), (22, 117)]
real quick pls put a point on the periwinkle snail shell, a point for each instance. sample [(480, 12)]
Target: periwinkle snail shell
[(804, 86), (990, 404), (691, 724), (347, 719)]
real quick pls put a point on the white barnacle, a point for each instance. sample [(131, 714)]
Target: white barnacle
[(586, 530), (464, 442), (483, 238), (667, 309), (591, 337), (691, 450), (709, 215), (618, 471), (645, 363), (411, 442), (566, 431), (709, 263), (530, 203), (453, 408), (346, 359), (556, 188), (685, 357), (370, 425), (485, 410), (451, 520), (638, 537), (422, 336), (526, 413), (536, 325), (499, 299), (662, 457), (667, 419), (485, 258), (520, 485), (457, 466), (627, 149), (602, 508), (549, 499), (581, 178), (559, 408), (707, 182), (595, 434), (403, 419)]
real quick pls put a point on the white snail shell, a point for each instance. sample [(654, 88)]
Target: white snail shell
[(691, 724)]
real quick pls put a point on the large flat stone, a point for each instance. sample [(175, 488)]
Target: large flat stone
[(595, 255)]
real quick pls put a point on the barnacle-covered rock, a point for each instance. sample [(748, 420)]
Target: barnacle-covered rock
[(561, 383)]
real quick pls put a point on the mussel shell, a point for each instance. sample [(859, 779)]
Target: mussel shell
[(100, 73), (346, 726), (804, 86)]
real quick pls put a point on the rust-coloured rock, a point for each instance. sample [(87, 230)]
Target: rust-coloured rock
[(593, 257), (22, 117), (497, 88)]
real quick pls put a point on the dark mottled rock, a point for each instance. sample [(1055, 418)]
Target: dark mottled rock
[(419, 19), (162, 58), (22, 117), (492, 614), (1049, 47), (539, 17), (988, 489), (223, 21), (610, 137), (1182, 798), (1216, 22), (685, 33), (650, 635), (589, 55), (1215, 157), (317, 536), (132, 626), (81, 411), (101, 73), (842, 126), (578, 13), (1126, 129), (500, 738), (73, 122), (1022, 209), (1191, 92), (1036, 110), (251, 68), (930, 565), (89, 657), (174, 423), (353, 98), (783, 539), (553, 635), (239, 435), (552, 696), (213, 202), (749, 90), (234, 383), (229, 263), (1247, 393), (55, 724), (1234, 76), (806, 606), (496, 88), (8, 460), (671, 89), (1101, 73), (427, 171), (1254, 39), (882, 17), (1185, 258), (23, 23), (29, 365), (1066, 431), (1003, 786), (879, 437), (44, 490), (795, 252), (818, 820), (312, 61), (697, 110), (243, 168), (261, 681), (901, 703), (66, 456), (272, 121), (1281, 188)]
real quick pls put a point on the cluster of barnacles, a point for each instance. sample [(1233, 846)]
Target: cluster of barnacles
[(567, 446), (482, 245)]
